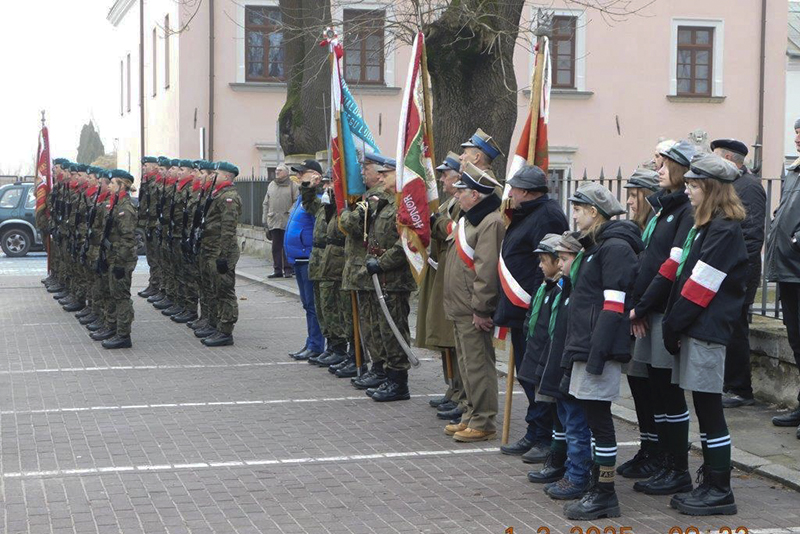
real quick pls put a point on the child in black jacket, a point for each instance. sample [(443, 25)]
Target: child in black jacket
[(701, 313)]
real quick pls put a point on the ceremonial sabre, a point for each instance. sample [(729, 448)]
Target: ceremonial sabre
[(411, 356)]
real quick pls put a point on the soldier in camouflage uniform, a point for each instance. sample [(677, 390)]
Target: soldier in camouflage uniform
[(121, 258), (100, 290), (154, 227), (168, 265), (58, 232), (387, 259), (75, 229), (355, 278), (205, 179), (189, 272), (55, 281), (86, 315), (317, 201), (149, 171), (221, 253)]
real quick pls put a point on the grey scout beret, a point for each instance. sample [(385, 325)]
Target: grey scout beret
[(598, 196), (712, 166), (797, 124), (568, 242), (681, 152), (644, 179), (548, 244)]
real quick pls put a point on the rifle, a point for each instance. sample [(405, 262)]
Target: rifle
[(89, 230), (198, 232), (172, 212), (187, 245), (147, 197), (185, 222), (101, 265)]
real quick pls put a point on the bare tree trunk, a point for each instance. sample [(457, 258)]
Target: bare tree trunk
[(303, 123), (470, 58)]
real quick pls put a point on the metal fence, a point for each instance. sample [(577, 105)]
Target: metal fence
[(252, 190), (563, 184)]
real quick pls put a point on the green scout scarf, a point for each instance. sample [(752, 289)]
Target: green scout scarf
[(536, 307), (687, 247)]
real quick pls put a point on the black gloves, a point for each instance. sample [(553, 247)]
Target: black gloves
[(793, 242), (222, 266), (672, 339), (119, 272), (373, 266)]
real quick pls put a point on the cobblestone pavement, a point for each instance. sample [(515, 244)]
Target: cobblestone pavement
[(171, 436)]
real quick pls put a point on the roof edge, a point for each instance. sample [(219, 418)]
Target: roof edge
[(119, 10)]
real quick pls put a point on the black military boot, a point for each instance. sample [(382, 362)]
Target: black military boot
[(600, 501), (341, 365), (149, 291), (156, 298), (118, 342), (201, 322), (175, 309), (396, 387), (315, 358), (337, 356), (663, 462), (74, 306), (716, 498), (69, 299), (184, 317), (374, 378), (61, 294), (88, 319), (98, 324), (163, 304), (553, 469), (205, 332), (305, 354), (518, 448), (83, 313), (675, 479), (56, 288), (350, 370), (702, 481), (103, 334), (218, 340)]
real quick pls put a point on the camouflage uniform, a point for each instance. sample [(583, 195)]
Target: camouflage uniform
[(219, 247), (190, 271), (397, 282), (121, 262), (153, 250), (180, 216), (100, 287), (146, 204), (167, 260), (355, 278)]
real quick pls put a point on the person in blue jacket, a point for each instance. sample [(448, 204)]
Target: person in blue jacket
[(297, 243)]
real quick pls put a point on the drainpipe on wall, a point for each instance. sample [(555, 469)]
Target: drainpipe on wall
[(141, 79), (211, 80), (759, 159)]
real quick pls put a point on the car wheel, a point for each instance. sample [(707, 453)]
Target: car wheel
[(16, 243), (141, 242)]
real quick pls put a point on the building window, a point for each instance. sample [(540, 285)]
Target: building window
[(562, 51), (128, 72), (364, 55), (155, 61), (166, 52), (121, 88), (695, 60), (264, 50)]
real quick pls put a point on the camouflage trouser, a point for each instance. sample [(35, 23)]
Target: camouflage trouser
[(321, 318), (206, 288), (167, 270), (369, 314), (100, 297), (190, 280), (152, 259), (225, 301), (121, 308), (329, 307), (345, 303)]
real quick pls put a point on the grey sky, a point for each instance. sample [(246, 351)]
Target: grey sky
[(52, 58)]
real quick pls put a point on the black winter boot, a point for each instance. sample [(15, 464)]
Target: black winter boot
[(99, 324), (395, 389), (103, 334), (674, 479), (701, 480), (372, 379), (600, 501), (553, 470), (716, 497)]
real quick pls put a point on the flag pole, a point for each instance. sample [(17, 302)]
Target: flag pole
[(426, 91), (536, 98)]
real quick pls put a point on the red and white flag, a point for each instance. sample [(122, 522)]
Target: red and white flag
[(43, 174)]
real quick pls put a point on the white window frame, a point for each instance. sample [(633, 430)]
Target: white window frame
[(240, 37), (717, 74), (388, 39), (580, 46)]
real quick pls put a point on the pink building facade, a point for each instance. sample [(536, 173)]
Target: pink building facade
[(673, 68)]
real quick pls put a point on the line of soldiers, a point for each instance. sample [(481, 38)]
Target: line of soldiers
[(187, 214), (91, 222)]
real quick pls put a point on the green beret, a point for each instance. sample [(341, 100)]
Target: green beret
[(78, 167), (205, 165), (175, 162), (149, 159), (61, 161), (122, 175), (228, 167), (189, 164), (93, 170), (163, 161)]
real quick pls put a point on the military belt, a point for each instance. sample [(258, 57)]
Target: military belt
[(336, 242)]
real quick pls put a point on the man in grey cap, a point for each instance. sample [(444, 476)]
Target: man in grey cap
[(783, 265), (738, 387), (534, 214)]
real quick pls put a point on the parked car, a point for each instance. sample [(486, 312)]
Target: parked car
[(18, 234)]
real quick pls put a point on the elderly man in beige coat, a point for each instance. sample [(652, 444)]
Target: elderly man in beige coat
[(281, 195), (471, 293)]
